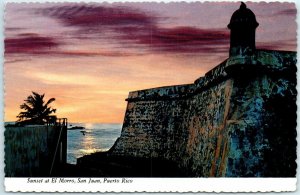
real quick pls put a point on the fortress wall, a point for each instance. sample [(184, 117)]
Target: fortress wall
[(238, 120), (152, 127), (207, 143)]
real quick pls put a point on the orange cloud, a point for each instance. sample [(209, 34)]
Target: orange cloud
[(94, 92)]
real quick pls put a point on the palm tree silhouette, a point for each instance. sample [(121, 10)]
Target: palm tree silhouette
[(36, 110)]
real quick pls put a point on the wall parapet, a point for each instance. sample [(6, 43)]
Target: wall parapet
[(261, 62), (169, 92), (269, 60)]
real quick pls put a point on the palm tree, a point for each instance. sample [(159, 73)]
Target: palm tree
[(36, 110)]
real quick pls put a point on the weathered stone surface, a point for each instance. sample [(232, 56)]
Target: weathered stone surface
[(234, 122)]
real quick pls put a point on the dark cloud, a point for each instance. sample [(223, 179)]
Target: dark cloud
[(288, 12), (278, 45), (93, 17), (124, 28), (88, 53), (29, 43), (13, 29), (185, 40), (135, 28), (34, 44)]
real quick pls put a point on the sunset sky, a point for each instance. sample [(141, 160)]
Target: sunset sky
[(89, 56)]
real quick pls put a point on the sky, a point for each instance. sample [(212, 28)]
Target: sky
[(90, 56)]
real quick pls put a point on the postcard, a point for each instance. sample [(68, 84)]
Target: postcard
[(150, 96)]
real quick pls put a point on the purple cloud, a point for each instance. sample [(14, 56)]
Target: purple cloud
[(13, 29), (29, 43), (288, 12), (278, 45), (186, 40), (132, 27), (91, 17), (123, 28)]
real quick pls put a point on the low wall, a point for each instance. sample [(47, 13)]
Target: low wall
[(29, 150), (239, 120)]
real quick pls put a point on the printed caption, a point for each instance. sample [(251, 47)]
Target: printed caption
[(80, 180)]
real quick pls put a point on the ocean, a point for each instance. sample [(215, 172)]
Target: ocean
[(95, 138)]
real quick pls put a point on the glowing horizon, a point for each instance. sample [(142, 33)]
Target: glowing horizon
[(90, 56)]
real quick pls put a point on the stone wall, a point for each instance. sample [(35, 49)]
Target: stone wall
[(29, 150), (239, 120)]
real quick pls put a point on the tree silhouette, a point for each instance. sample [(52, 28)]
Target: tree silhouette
[(36, 110)]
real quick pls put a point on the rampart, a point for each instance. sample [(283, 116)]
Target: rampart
[(239, 120)]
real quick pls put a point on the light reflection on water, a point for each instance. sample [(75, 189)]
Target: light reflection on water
[(97, 137)]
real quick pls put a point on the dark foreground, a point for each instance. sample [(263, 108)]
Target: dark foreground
[(102, 164)]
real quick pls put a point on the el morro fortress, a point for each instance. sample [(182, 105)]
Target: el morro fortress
[(239, 120)]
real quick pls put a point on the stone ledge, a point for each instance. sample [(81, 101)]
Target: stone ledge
[(169, 92)]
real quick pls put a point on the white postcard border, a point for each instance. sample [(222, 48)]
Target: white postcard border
[(146, 184), (150, 184)]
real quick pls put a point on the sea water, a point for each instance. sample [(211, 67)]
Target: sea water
[(95, 137)]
